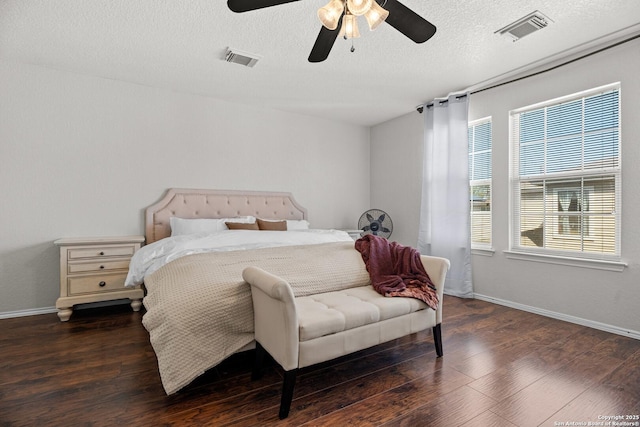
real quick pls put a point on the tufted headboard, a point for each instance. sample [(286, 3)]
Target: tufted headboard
[(192, 203)]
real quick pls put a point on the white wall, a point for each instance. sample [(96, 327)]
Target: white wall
[(83, 156), (599, 297), (396, 170)]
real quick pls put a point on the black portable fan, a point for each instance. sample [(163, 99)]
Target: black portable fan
[(376, 222)]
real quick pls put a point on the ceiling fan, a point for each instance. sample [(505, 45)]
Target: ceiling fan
[(398, 16)]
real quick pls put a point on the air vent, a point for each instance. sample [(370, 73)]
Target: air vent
[(524, 26), (239, 57)]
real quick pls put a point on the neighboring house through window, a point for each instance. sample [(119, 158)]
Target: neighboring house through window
[(480, 182), (566, 174)]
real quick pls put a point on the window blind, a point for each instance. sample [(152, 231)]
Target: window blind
[(566, 173), (480, 182)]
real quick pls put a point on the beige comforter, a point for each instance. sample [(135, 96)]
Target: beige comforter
[(199, 310)]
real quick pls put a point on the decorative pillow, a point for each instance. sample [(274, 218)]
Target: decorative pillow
[(243, 219), (271, 225), (181, 226), (297, 224), (242, 225)]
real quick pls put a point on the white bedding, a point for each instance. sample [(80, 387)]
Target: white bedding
[(153, 256)]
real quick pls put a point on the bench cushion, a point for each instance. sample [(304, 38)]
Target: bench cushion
[(333, 312)]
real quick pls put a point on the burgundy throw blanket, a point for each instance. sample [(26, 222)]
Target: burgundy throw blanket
[(396, 270)]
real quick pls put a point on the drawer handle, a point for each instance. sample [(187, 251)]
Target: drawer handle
[(102, 284), (102, 253)]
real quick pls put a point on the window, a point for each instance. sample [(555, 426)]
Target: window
[(480, 182), (565, 170)]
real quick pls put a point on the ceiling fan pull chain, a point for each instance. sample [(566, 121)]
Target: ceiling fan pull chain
[(353, 49)]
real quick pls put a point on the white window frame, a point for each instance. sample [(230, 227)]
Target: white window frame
[(566, 257)]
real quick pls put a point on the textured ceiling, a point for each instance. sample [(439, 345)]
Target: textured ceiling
[(179, 45)]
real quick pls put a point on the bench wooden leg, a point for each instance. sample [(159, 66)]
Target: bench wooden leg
[(287, 392), (258, 362), (437, 339)]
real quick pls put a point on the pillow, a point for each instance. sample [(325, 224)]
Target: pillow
[(243, 219), (271, 225), (181, 226), (232, 225), (297, 224)]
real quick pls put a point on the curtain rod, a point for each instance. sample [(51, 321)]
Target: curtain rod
[(444, 101), (621, 42)]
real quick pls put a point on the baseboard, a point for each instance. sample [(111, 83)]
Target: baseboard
[(560, 316), (48, 310), (29, 312)]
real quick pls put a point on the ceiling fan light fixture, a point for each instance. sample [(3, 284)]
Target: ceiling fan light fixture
[(349, 28), (376, 15), (330, 14), (359, 7)]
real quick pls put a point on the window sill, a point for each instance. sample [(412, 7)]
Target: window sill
[(597, 264), (483, 251)]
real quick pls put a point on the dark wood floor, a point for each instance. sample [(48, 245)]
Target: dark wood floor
[(501, 367)]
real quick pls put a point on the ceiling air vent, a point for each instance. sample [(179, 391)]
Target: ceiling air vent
[(524, 26), (239, 57)]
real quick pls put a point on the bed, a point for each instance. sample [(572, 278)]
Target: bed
[(198, 308)]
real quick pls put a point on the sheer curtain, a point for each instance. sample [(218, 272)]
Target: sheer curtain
[(444, 216)]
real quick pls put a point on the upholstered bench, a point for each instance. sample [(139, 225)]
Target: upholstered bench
[(299, 332)]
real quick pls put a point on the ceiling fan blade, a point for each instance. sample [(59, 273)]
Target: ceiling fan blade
[(324, 43), (247, 5), (408, 22)]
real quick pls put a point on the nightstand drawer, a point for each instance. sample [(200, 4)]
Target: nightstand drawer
[(92, 284), (104, 251), (96, 266)]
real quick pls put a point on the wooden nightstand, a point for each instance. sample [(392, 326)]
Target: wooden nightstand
[(94, 269)]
